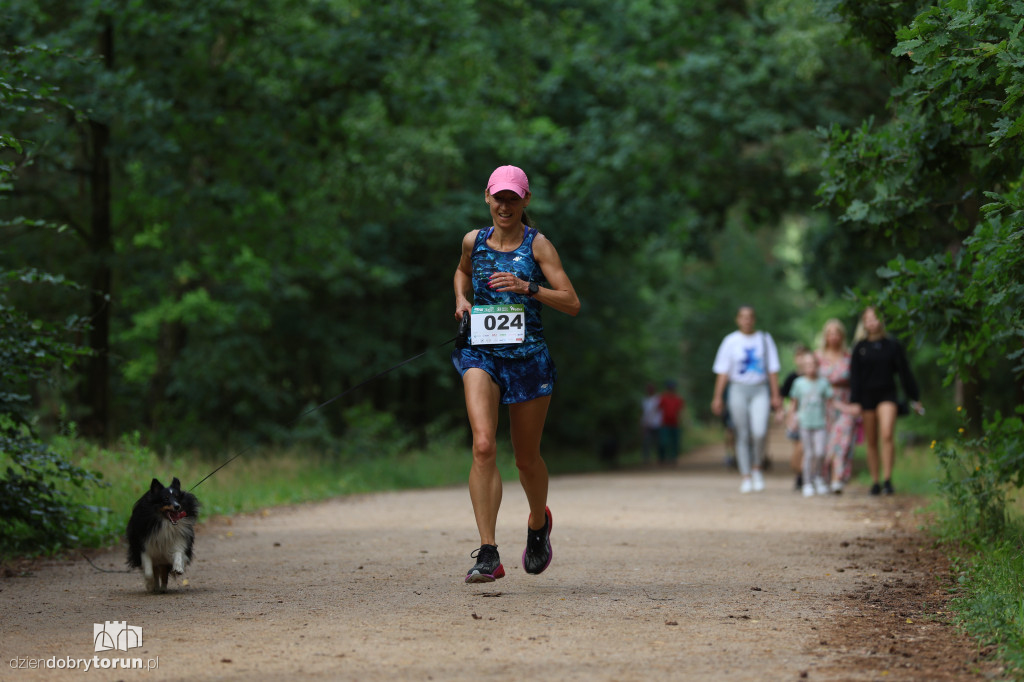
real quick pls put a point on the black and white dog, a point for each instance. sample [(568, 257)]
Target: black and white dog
[(161, 532)]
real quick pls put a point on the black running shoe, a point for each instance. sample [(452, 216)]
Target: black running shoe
[(876, 489), (887, 488), (537, 555), (488, 566)]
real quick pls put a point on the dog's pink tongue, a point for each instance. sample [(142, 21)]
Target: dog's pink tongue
[(180, 515)]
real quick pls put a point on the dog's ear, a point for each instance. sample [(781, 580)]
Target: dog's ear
[(156, 486), (176, 484)]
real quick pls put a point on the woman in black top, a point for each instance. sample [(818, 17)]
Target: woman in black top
[(876, 359)]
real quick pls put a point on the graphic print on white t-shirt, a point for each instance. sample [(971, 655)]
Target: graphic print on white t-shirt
[(752, 361), (742, 357)]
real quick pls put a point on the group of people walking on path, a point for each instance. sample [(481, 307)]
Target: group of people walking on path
[(833, 391)]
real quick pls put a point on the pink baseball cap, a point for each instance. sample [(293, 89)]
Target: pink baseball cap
[(508, 177)]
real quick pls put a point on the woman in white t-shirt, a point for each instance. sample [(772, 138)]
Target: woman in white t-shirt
[(748, 362)]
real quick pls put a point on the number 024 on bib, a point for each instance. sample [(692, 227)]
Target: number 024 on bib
[(494, 324)]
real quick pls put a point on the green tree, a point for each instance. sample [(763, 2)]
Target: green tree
[(34, 510), (289, 181), (945, 171)]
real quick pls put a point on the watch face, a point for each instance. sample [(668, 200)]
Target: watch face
[(533, 287)]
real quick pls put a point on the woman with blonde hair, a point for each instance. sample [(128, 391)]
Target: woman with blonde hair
[(834, 365), (876, 360)]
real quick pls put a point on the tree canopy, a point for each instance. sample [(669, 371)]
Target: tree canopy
[(267, 196), (943, 175)]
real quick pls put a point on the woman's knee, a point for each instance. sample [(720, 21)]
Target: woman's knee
[(886, 432), (485, 449), (529, 463)]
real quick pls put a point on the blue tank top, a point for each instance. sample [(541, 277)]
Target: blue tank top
[(520, 261)]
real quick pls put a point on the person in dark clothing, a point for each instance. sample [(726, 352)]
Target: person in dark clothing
[(876, 360)]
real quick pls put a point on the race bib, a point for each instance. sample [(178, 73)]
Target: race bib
[(493, 324)]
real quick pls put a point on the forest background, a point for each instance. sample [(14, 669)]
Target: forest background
[(264, 200), (218, 216)]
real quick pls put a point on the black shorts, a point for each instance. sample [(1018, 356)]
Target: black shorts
[(871, 397)]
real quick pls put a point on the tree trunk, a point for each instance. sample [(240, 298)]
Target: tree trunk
[(97, 372)]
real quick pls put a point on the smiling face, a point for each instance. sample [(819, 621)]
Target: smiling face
[(507, 208)]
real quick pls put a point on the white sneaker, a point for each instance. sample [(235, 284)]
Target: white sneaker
[(837, 487), (808, 490), (746, 486), (758, 480), (820, 486)]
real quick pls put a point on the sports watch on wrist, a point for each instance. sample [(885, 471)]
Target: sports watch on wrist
[(532, 289)]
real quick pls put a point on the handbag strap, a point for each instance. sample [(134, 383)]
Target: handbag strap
[(764, 350)]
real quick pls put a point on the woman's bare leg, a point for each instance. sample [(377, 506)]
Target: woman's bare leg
[(870, 422), (885, 416), (526, 421), (484, 479)]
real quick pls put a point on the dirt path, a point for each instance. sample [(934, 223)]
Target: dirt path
[(656, 575)]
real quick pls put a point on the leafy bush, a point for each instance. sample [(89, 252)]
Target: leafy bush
[(36, 514), (946, 170), (977, 473)]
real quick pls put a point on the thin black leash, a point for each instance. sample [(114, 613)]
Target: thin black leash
[(103, 570), (463, 332)]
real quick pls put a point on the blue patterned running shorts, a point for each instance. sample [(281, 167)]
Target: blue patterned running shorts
[(518, 379)]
